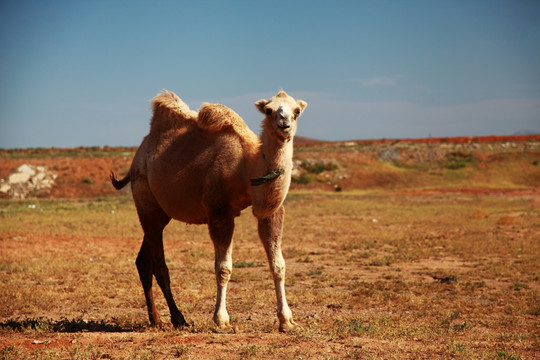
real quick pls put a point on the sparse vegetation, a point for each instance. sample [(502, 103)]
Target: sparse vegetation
[(244, 264), (319, 166), (415, 272), (373, 282), (457, 160), (302, 179)]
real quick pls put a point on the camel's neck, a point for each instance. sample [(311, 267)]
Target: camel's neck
[(276, 154)]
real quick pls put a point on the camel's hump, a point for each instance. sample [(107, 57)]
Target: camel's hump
[(217, 117), (170, 112)]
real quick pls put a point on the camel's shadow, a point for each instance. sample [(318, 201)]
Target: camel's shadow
[(69, 325)]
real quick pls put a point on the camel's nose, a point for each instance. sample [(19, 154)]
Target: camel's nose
[(284, 122), (284, 119)]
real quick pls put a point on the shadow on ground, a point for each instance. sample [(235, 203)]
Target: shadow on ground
[(69, 326)]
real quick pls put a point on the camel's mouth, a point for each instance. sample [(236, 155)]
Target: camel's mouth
[(284, 128)]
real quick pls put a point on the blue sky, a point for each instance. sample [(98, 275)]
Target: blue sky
[(81, 73)]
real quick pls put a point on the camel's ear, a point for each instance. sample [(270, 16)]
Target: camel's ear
[(261, 104), (302, 105)]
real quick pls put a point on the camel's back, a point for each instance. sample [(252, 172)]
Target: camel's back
[(170, 112)]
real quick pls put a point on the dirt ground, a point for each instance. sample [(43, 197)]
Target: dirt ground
[(403, 269), (385, 282)]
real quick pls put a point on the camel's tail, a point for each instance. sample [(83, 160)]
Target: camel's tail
[(119, 184), (169, 112)]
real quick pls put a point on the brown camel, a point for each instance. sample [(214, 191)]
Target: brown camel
[(205, 168)]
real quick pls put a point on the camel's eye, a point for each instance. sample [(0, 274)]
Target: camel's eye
[(297, 112), (268, 111)]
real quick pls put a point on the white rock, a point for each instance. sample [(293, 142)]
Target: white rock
[(19, 177), (26, 180)]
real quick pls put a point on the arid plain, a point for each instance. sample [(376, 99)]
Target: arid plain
[(420, 249)]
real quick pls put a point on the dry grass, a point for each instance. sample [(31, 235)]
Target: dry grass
[(370, 275)]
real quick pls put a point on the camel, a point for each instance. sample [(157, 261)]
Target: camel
[(206, 167)]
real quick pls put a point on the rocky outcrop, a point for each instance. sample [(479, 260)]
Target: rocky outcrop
[(28, 181)]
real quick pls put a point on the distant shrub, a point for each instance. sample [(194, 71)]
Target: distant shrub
[(318, 166), (302, 179), (457, 160)]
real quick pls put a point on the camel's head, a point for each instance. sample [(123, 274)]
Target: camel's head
[(281, 112)]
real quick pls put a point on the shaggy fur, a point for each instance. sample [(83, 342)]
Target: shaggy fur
[(216, 118), (169, 112), (196, 168)]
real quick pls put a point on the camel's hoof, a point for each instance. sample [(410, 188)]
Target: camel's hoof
[(289, 326), (226, 328), (182, 325), (178, 320)]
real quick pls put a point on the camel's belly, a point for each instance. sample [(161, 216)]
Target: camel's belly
[(189, 215)]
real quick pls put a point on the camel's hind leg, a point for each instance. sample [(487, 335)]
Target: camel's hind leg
[(221, 227), (270, 232), (144, 266), (151, 258)]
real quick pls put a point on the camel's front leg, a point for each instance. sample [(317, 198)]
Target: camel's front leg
[(270, 232), (221, 231)]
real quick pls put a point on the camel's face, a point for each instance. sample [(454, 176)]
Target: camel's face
[(281, 112)]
